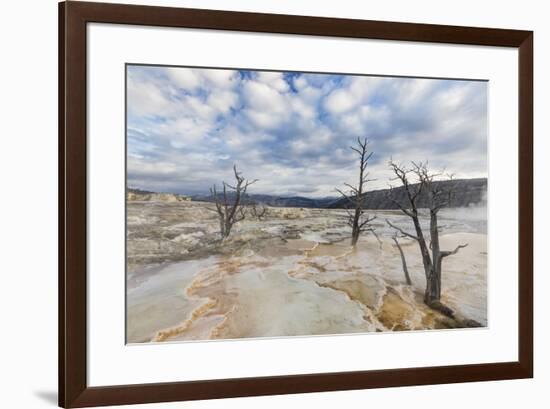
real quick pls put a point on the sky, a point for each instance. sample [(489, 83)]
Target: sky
[(187, 127)]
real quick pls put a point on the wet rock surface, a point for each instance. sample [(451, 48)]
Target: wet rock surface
[(293, 273)]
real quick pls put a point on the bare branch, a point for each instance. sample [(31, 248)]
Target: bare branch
[(367, 221), (398, 204), (356, 196), (345, 196), (352, 188), (429, 185), (373, 232), (258, 214), (403, 232), (403, 260), (450, 253), (230, 206)]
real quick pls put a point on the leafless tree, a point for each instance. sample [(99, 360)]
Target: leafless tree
[(358, 220), (403, 259), (230, 203), (439, 195), (258, 210)]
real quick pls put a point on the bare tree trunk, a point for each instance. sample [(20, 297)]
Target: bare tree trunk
[(419, 237), (358, 220), (433, 288), (433, 278), (424, 250), (434, 285), (403, 261), (222, 227), (438, 198), (355, 231), (230, 209)]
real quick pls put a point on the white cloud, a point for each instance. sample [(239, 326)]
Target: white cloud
[(413, 91), (186, 79), (263, 97), (144, 98), (184, 131), (222, 101), (265, 106), (341, 100), (352, 95), (274, 80), (225, 79), (187, 127)]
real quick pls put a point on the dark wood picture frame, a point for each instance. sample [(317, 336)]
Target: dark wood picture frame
[(73, 388)]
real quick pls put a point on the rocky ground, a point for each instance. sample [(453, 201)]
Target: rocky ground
[(293, 273)]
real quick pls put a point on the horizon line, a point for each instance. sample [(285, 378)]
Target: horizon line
[(289, 195)]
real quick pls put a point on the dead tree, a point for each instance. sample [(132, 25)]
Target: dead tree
[(230, 202), (438, 196), (403, 260), (358, 220), (258, 210)]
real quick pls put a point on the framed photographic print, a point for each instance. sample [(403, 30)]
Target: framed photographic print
[(256, 204)]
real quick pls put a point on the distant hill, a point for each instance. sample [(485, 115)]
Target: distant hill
[(138, 195), (280, 201), (467, 192)]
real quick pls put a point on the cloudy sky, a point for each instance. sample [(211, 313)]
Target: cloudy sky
[(187, 127)]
